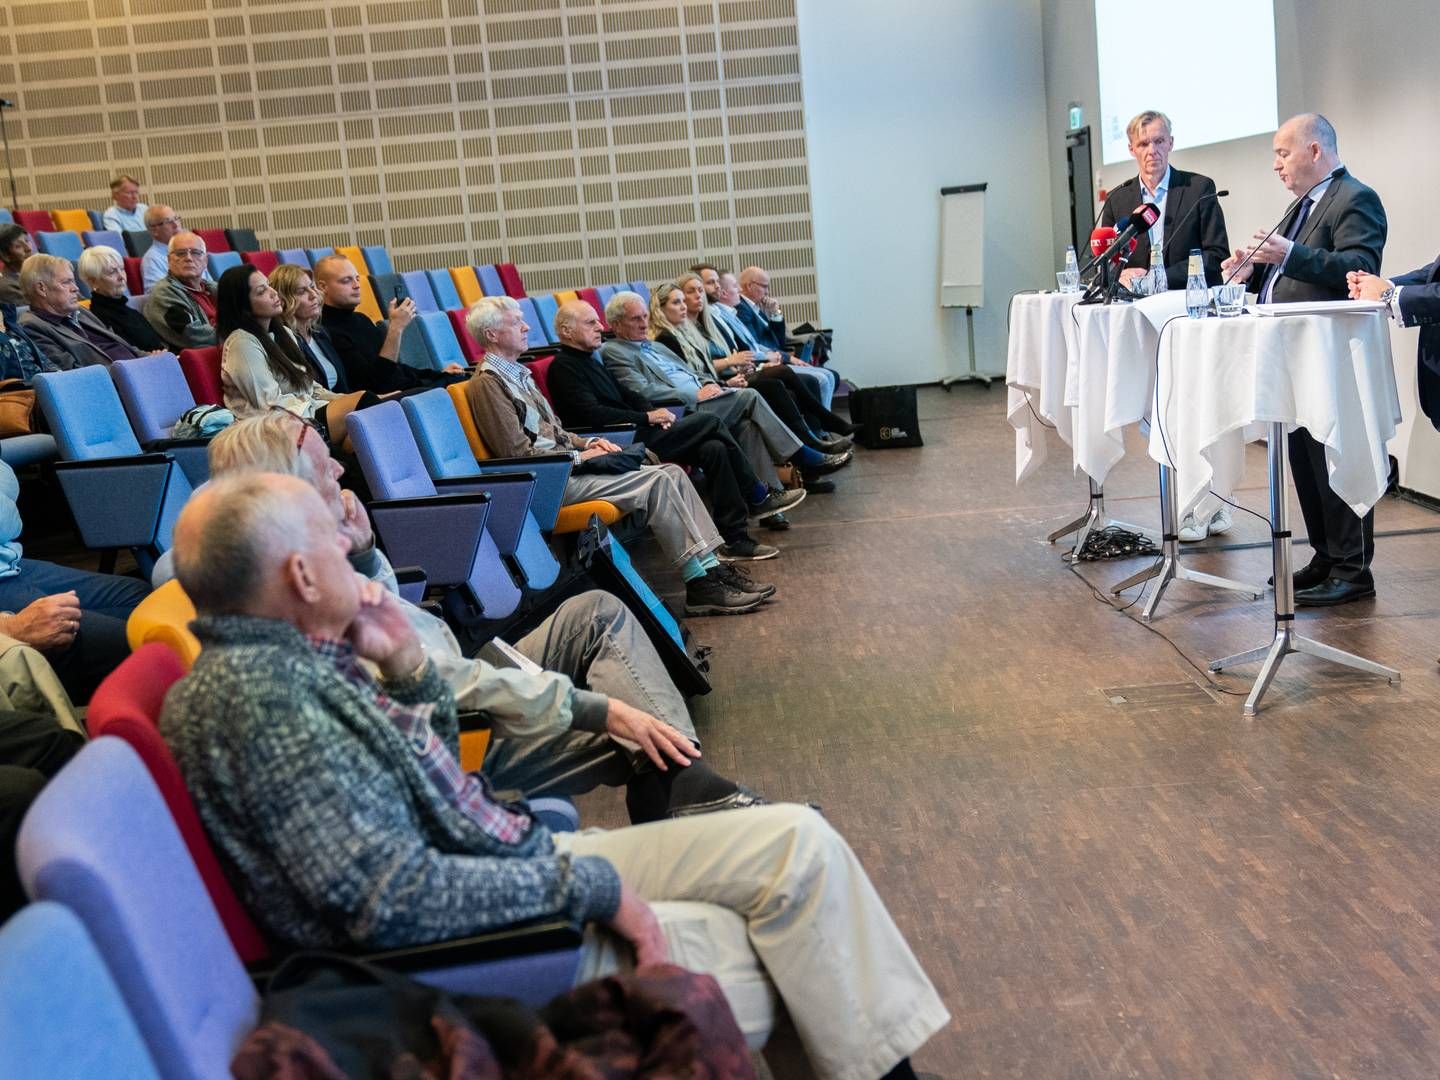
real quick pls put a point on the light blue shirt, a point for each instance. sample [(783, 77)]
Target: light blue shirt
[(1158, 197), (676, 373), (10, 550), (737, 324), (121, 221)]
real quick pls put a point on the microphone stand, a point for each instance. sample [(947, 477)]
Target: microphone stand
[(9, 168)]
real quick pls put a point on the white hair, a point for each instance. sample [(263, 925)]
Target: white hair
[(486, 315), (615, 306), (95, 261)]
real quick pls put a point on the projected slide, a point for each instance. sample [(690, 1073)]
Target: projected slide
[(1210, 67)]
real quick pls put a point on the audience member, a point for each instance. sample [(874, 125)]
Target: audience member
[(516, 421), (162, 223), (549, 736), (761, 312), (709, 275), (128, 212), (300, 311), (370, 354), (337, 804), (19, 358), (823, 380), (181, 305), (15, 247), (103, 269), (75, 617), (587, 396), (66, 334)]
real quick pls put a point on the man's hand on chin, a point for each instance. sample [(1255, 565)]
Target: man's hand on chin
[(381, 632)]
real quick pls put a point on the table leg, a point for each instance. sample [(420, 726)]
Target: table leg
[(1286, 639), (1093, 518)]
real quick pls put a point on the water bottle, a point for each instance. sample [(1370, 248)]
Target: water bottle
[(1072, 265), (1197, 292), (1158, 281)]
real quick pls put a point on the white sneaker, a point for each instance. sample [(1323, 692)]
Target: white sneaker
[(1191, 530), (1222, 522)]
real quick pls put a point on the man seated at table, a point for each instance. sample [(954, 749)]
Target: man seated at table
[(182, 306), (336, 803), (67, 335), (515, 420), (549, 736)]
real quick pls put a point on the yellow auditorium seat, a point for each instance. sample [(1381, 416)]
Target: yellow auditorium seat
[(165, 616), (369, 302), (573, 516), (565, 297), (76, 221), (466, 284)]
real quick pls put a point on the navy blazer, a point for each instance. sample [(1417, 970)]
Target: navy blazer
[(1203, 229), (1345, 231), (769, 332), (1420, 306)]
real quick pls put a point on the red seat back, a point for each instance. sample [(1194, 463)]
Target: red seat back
[(215, 239), (127, 705), (202, 372), (133, 276), (540, 372), (33, 221), (510, 278), (264, 261), (473, 352), (592, 297)]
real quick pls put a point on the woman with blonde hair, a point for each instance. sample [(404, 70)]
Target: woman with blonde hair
[(300, 313)]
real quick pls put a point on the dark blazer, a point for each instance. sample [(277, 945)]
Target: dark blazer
[(1420, 306), (769, 332), (586, 395), (1203, 229), (1345, 231), (321, 345), (64, 347)]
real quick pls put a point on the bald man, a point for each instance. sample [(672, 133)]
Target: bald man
[(161, 222), (181, 306), (337, 805)]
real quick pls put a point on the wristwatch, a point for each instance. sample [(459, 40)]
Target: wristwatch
[(1388, 295)]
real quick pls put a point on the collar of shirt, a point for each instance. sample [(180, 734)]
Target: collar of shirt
[(1319, 192), (506, 822)]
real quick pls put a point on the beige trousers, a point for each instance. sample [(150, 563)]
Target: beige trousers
[(772, 900)]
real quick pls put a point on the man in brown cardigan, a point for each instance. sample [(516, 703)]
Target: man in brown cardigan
[(515, 420)]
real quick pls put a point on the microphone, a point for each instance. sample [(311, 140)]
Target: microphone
[(1170, 233), (1144, 215), (1245, 261)]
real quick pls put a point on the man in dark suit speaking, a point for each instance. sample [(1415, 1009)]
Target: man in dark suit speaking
[(1336, 227), (1190, 214)]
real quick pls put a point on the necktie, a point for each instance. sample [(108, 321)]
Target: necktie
[(1290, 234)]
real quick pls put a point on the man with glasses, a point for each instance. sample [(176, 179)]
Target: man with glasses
[(163, 223), (181, 306)]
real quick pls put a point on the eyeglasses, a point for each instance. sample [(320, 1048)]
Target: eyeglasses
[(187, 253), (166, 221), (306, 424)]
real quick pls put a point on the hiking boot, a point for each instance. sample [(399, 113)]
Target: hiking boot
[(709, 595), (736, 578)]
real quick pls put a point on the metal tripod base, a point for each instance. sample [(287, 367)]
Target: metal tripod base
[(1287, 641), (1092, 519), (1170, 568)]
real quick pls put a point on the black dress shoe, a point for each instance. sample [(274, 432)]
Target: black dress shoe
[(817, 486), (1307, 577), (1333, 591)]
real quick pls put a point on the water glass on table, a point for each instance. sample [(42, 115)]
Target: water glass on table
[(1068, 280), (1229, 300)]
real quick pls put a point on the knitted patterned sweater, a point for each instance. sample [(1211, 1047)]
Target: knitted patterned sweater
[(326, 822)]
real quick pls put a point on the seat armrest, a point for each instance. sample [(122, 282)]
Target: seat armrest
[(620, 434), (412, 582), (439, 533)]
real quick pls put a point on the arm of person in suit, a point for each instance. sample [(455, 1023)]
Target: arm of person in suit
[(625, 363), (1357, 240), (48, 343), (1416, 301), (577, 402)]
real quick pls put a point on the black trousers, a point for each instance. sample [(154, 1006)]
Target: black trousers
[(701, 440), (33, 748), (794, 402), (1343, 541)]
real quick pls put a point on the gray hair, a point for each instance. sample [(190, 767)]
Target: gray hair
[(1315, 128), (1149, 116), (222, 562), (615, 306), (486, 315), (123, 178), (179, 237), (261, 443), (38, 270), (158, 213), (94, 261)]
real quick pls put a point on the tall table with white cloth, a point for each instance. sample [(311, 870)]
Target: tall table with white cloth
[(1322, 366)]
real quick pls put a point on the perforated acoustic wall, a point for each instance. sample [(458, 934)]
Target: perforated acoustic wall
[(587, 141)]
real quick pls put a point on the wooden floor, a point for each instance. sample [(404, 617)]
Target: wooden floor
[(1106, 869)]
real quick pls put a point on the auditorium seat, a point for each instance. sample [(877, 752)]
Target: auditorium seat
[(137, 242), (6, 218), (104, 238), (443, 286), (542, 332), (65, 244), (641, 288), (314, 255), (377, 259), (510, 276), (371, 306), (295, 257), (164, 617), (34, 221), (215, 239), (468, 345), (606, 292), (202, 373), (414, 348), (97, 219), (76, 221), (384, 287), (264, 261), (242, 240), (490, 280), (466, 284), (220, 261), (134, 275), (417, 284), (540, 372), (155, 395), (545, 309), (440, 336)]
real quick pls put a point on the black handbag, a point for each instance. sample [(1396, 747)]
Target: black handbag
[(887, 417)]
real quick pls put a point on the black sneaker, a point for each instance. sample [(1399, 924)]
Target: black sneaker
[(745, 550), (778, 500), (736, 578), (775, 522), (817, 485), (709, 595)]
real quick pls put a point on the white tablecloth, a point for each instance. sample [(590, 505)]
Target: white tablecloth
[(1041, 340), (1332, 374)]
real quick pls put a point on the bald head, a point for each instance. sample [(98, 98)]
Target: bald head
[(578, 325), (338, 282), (755, 284), (1306, 151)]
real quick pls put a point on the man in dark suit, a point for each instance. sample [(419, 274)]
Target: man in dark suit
[(65, 333), (1192, 217), (1337, 226), (1414, 300), (585, 395)]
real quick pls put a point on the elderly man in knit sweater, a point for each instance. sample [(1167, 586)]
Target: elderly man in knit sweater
[(336, 802)]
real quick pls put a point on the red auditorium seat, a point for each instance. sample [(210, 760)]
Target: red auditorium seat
[(33, 221), (510, 278), (592, 297), (473, 353), (215, 239), (202, 372), (540, 372), (264, 261), (133, 276)]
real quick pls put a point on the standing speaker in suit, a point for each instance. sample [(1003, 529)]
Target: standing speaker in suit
[(1338, 227)]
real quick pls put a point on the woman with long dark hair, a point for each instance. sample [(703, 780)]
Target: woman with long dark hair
[(261, 364)]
